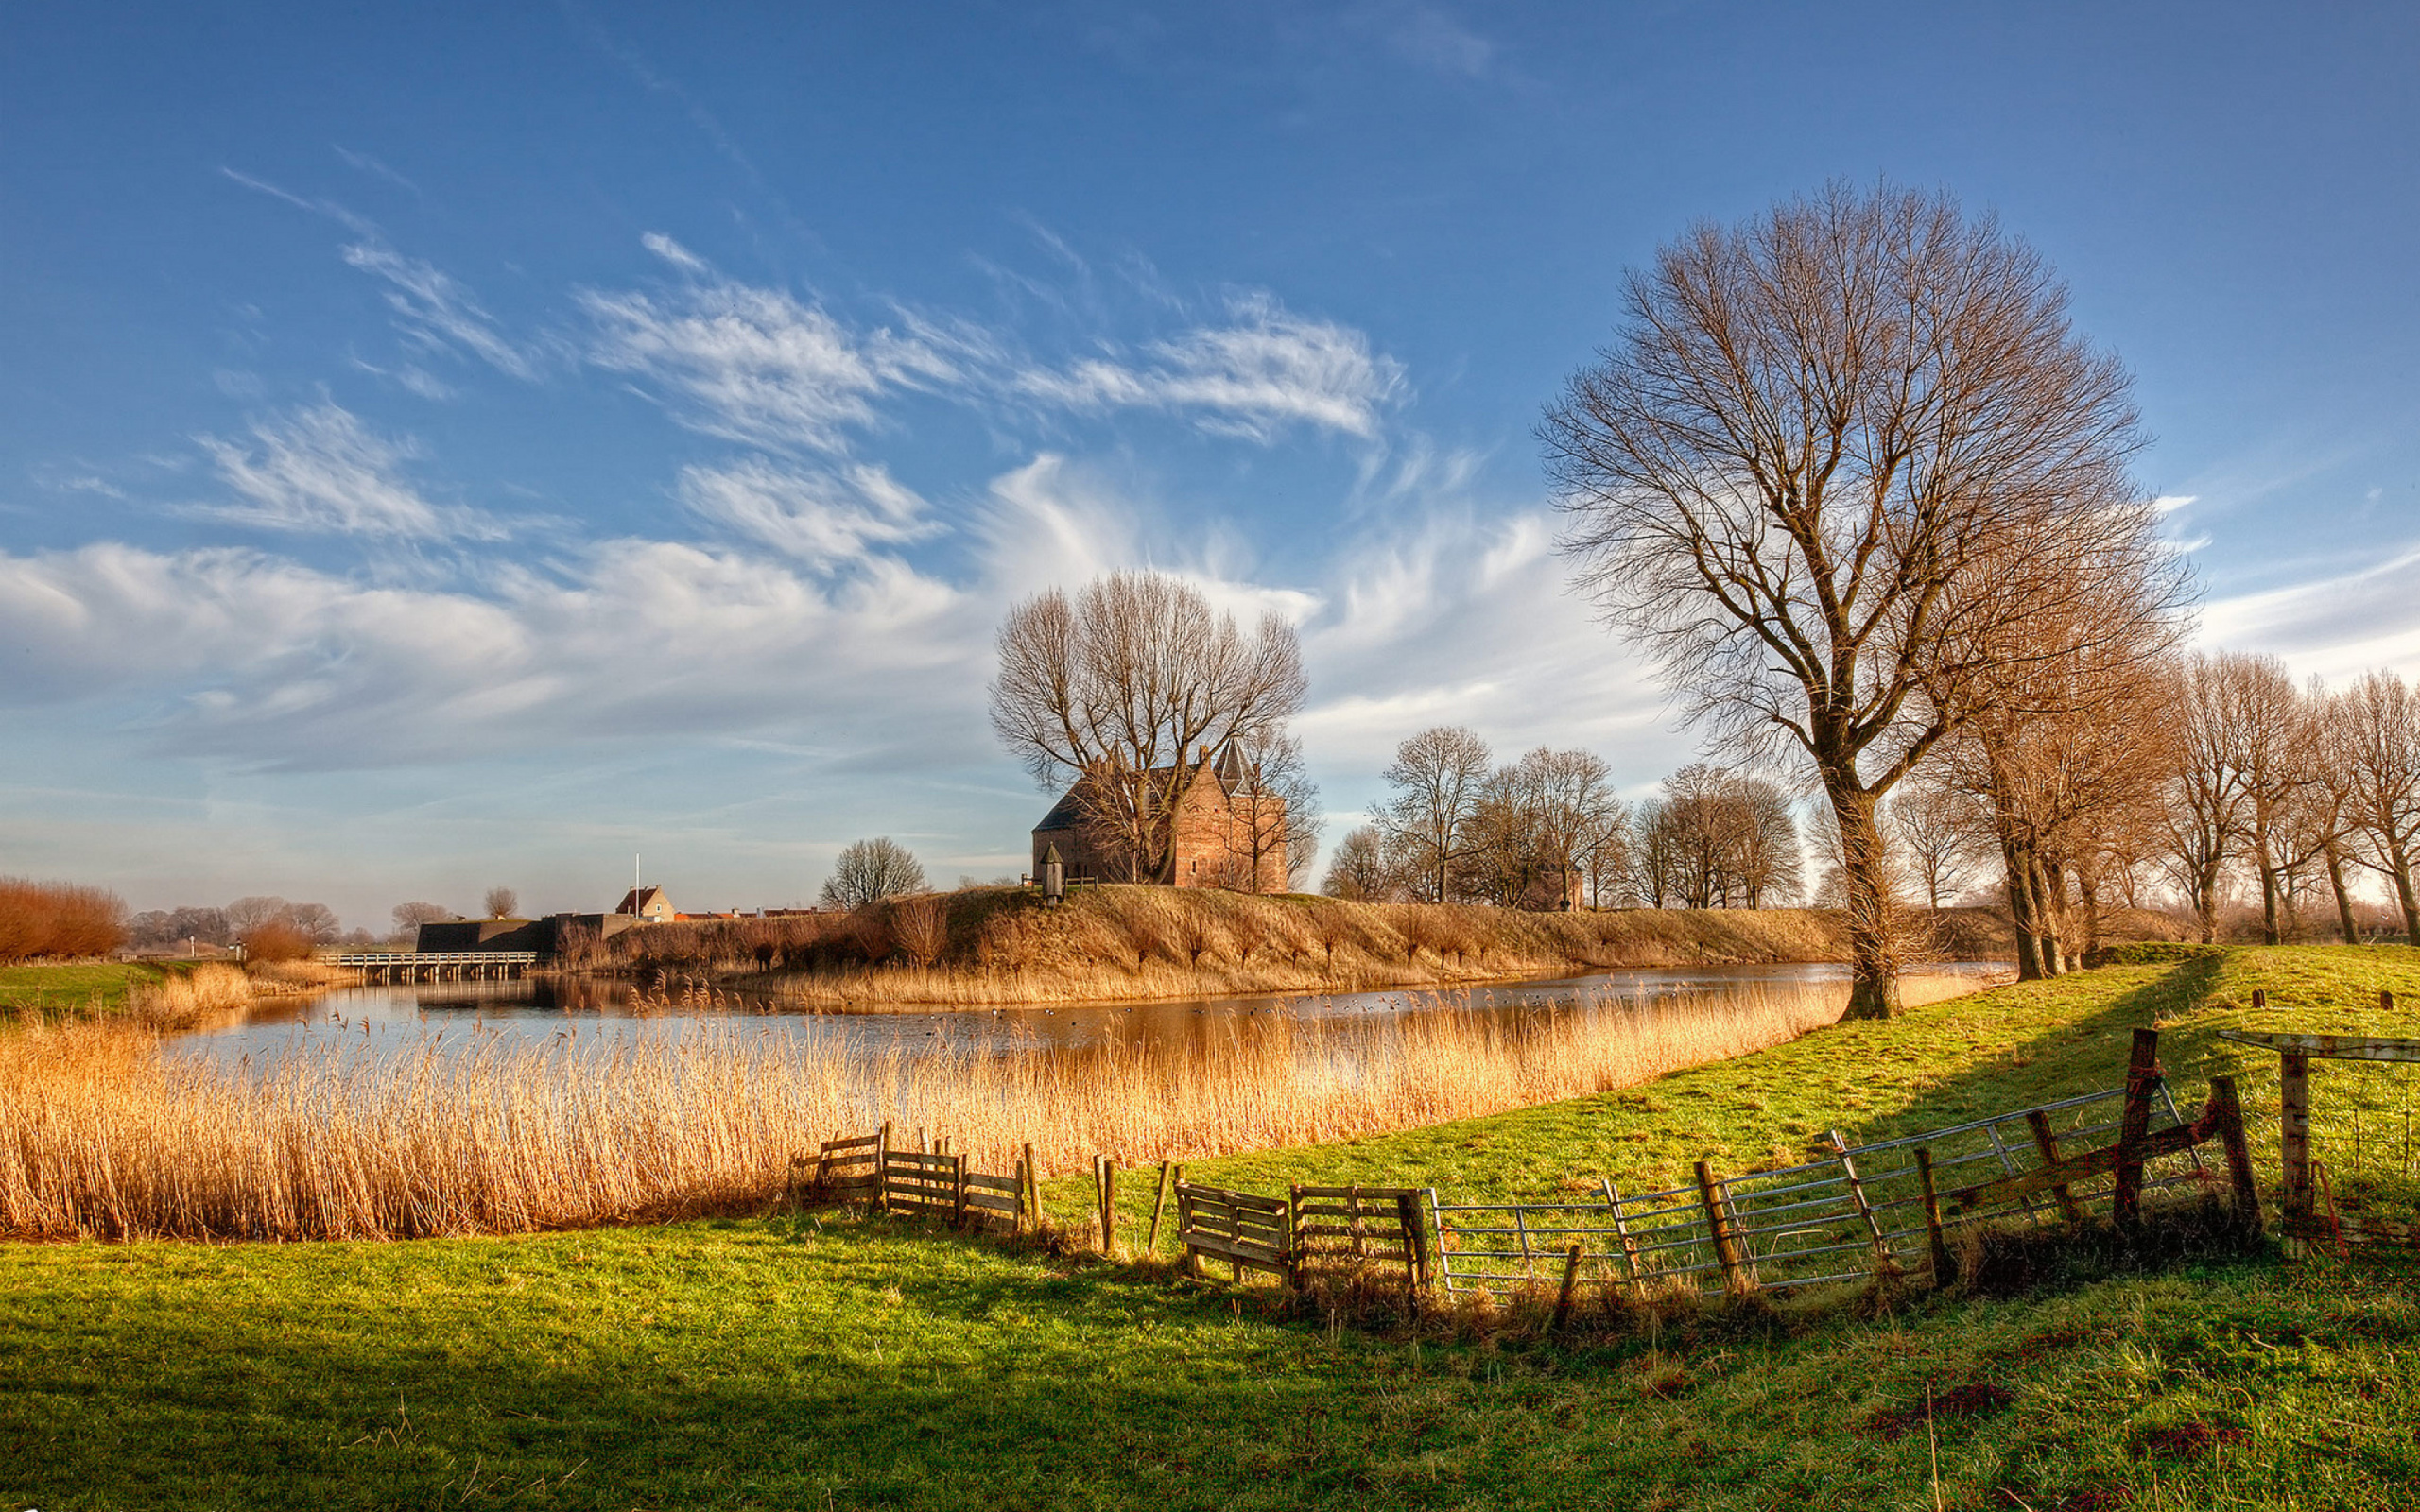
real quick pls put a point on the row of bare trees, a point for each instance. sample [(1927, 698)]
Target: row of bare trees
[(2180, 773), (1544, 830)]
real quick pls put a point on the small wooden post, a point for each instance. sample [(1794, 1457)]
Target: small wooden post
[(1105, 1173), (2047, 1144), (2260, 997), (1621, 1232), (1415, 1240), (1726, 1243), (958, 1192), (1032, 1189), (1945, 1265), (2294, 1084), (2142, 1075), (1570, 1282), (1159, 1206), (882, 1169), (2227, 1113), (2386, 999)]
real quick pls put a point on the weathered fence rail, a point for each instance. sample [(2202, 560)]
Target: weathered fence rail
[(1246, 1231)]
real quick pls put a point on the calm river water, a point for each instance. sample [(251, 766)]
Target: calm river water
[(592, 1009)]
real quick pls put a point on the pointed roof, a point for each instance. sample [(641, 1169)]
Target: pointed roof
[(640, 900)]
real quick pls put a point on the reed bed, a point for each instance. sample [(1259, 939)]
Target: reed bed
[(106, 1133)]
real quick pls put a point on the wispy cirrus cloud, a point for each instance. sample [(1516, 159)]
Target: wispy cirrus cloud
[(755, 364), (829, 521), (320, 469), (1265, 368), (436, 312)]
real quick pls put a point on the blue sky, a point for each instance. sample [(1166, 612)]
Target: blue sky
[(467, 445)]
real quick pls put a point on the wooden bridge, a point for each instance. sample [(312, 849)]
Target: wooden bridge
[(438, 966)]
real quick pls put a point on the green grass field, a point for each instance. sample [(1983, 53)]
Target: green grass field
[(84, 987), (826, 1361)]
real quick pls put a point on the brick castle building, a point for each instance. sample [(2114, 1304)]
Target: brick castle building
[(1227, 831)]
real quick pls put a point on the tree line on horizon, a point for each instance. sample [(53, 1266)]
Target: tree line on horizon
[(1547, 831)]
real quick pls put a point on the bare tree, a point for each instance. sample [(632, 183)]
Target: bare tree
[(1940, 829), (1129, 687), (2205, 799), (1716, 840), (502, 902), (1833, 449), (1438, 777), (2378, 723), (2067, 724), (1359, 872), (1278, 806), (872, 870), (410, 917)]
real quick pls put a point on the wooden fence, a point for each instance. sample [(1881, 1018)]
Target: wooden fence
[(931, 1183), (1882, 1208), (1872, 1211)]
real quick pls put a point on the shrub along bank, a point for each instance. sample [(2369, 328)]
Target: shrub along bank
[(825, 1360)]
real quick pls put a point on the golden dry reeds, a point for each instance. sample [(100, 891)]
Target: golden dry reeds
[(183, 999), (106, 1130)]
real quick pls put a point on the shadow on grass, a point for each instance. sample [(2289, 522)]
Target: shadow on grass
[(961, 1384), (2083, 1054)]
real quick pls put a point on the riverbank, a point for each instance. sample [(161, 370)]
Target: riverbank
[(987, 947), (163, 995), (823, 1360)]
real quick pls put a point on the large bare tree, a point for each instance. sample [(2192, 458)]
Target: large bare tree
[(1126, 689), (1831, 451)]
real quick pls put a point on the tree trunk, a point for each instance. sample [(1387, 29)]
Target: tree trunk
[(2400, 861), (2024, 911), (2270, 932), (2206, 904), (2088, 886), (1873, 956), (2343, 895)]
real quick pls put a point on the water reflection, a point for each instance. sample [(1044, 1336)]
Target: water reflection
[(593, 1008)]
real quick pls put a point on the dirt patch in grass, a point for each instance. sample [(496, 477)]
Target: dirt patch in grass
[(2191, 1440), (1979, 1398)]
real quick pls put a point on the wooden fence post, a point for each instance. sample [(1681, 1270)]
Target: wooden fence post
[(1570, 1281), (1726, 1243), (1105, 1173), (882, 1169), (2229, 1117), (1415, 1242), (1159, 1206), (958, 1192), (1033, 1189), (2294, 1084), (2260, 997), (1945, 1265), (2142, 1075), (2046, 1145)]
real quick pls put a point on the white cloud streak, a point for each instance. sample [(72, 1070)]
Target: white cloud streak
[(755, 365), (1266, 369), (321, 471), (434, 312), (830, 521)]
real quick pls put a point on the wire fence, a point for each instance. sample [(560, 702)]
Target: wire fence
[(1857, 1212)]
